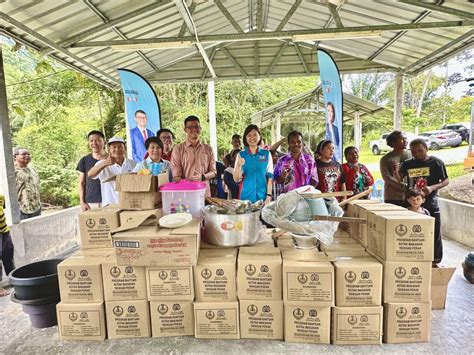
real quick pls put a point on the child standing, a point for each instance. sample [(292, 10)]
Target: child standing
[(415, 199), (358, 177), (6, 252)]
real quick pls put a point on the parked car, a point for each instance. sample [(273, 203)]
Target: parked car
[(380, 145), (442, 138), (461, 128)]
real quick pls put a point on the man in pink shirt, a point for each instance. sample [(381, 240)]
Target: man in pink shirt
[(193, 160)]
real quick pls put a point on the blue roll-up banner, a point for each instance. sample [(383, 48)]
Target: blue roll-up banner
[(332, 92), (143, 112)]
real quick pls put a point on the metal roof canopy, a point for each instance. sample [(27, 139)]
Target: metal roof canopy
[(184, 41), (310, 104)]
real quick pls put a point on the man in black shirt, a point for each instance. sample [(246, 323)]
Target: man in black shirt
[(429, 175), (89, 189)]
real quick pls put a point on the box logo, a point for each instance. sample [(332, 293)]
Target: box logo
[(73, 316), (118, 311), (84, 273), (129, 270), (252, 309), (298, 313), (176, 307), (102, 221), (266, 309), (415, 271), (84, 315), (313, 313), (302, 278), (350, 276), (220, 272), (210, 315), (173, 273), (90, 223), (401, 312), (364, 275), (162, 309), (352, 320), (314, 277), (206, 273), (162, 274), (416, 228), (400, 272), (401, 230), (415, 310), (264, 268), (70, 274), (364, 319), (115, 271), (220, 313), (250, 269), (131, 309)]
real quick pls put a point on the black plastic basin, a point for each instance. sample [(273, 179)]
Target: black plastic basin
[(36, 280)]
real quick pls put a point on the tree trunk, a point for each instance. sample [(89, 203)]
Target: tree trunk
[(423, 93)]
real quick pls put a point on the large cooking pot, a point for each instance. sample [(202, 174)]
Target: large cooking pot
[(231, 230)]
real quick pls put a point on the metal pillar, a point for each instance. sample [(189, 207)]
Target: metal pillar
[(212, 118), (7, 170), (398, 102), (357, 130)]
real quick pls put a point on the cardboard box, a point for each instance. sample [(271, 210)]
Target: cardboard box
[(357, 325), (81, 321), (341, 234), (80, 279), (261, 319), (285, 244), (170, 319), (101, 252), (123, 282), (128, 319), (307, 279), (216, 320), (345, 242), (440, 277), (360, 230), (154, 246), (341, 247), (170, 283), (353, 228), (406, 322), (140, 192), (401, 236), (215, 275), (358, 282), (333, 255), (259, 274), (95, 226), (406, 281), (307, 324), (129, 216)]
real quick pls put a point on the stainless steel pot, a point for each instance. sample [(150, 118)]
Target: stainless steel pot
[(231, 229)]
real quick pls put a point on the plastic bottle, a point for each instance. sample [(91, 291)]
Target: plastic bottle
[(378, 191)]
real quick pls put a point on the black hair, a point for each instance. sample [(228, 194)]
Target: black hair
[(333, 110), (164, 130), (98, 133), (139, 111), (322, 145), (154, 140), (392, 138), (348, 149), (418, 141), (248, 130), (236, 136), (191, 119), (413, 192), (294, 134)]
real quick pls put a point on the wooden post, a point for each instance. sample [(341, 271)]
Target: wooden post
[(357, 130), (398, 102), (212, 118)]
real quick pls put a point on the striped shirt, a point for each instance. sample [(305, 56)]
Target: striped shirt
[(3, 219)]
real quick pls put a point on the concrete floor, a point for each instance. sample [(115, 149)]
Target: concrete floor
[(452, 332)]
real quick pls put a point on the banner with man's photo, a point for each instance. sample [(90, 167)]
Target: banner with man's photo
[(143, 112), (331, 87)]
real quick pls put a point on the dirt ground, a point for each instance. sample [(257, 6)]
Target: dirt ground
[(460, 189)]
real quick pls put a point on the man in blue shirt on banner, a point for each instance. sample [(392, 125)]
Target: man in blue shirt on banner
[(139, 135)]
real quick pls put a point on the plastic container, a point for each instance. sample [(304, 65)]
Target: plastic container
[(42, 312), (378, 191), (184, 196)]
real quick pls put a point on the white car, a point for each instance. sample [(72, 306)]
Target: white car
[(380, 145)]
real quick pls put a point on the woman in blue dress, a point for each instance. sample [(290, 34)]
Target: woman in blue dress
[(254, 168)]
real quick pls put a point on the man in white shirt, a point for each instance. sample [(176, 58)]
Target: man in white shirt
[(106, 170)]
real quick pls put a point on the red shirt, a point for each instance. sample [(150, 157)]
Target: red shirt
[(357, 181)]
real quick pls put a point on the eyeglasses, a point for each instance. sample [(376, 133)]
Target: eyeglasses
[(163, 138), (196, 127)]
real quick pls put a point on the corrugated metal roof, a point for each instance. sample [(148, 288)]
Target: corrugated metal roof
[(309, 105), (70, 30)]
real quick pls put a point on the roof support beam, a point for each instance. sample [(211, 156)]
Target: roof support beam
[(276, 59), (439, 50), (251, 23), (117, 31), (335, 15), (211, 58), (183, 26), (442, 9), (228, 16), (236, 37), (56, 47), (302, 60), (256, 63), (288, 15), (188, 20), (232, 59), (260, 15)]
